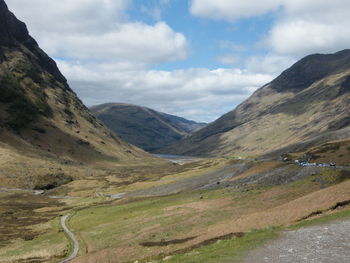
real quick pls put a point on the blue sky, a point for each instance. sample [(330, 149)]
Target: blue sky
[(209, 39), (193, 58)]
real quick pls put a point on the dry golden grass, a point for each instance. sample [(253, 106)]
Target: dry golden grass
[(270, 120), (259, 168), (205, 219), (167, 175)]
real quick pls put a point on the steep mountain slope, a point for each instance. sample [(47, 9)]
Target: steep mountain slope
[(40, 116), (307, 100), (144, 127)]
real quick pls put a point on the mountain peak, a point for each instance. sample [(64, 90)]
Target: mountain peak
[(39, 113), (11, 29), (308, 101), (14, 34), (311, 69)]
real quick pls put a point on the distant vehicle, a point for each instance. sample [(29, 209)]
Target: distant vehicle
[(303, 163)]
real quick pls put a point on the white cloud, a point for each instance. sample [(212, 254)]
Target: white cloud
[(232, 10), (269, 64), (302, 27), (99, 30), (132, 42), (105, 58), (198, 94), (300, 35), (67, 16), (315, 6)]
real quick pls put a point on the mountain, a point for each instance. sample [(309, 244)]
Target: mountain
[(144, 127), (41, 118), (307, 102)]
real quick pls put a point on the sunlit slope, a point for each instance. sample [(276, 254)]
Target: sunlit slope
[(306, 100)]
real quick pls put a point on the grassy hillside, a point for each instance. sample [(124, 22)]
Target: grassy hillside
[(144, 127), (41, 118), (305, 101)]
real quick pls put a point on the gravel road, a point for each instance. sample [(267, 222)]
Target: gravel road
[(72, 237), (328, 243)]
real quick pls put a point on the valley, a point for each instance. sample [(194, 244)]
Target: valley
[(81, 184), (213, 200)]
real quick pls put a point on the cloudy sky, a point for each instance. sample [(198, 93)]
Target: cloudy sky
[(194, 58)]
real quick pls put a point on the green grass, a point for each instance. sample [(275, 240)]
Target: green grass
[(108, 224), (322, 219), (42, 245), (117, 220), (225, 251), (131, 222), (236, 249), (21, 109)]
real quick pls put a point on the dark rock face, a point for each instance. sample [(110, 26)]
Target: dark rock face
[(11, 29), (14, 35)]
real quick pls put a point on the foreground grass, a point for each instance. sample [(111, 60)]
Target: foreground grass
[(115, 231), (121, 227), (323, 219), (52, 244), (235, 250), (225, 251)]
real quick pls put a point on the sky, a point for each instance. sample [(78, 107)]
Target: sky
[(197, 59)]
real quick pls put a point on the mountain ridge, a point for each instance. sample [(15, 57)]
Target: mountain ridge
[(309, 109), (142, 126), (42, 119)]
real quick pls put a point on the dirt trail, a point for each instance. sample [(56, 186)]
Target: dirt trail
[(328, 243), (72, 237)]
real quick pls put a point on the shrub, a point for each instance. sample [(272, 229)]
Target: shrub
[(21, 109)]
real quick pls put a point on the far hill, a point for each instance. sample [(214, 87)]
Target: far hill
[(309, 102), (43, 124), (144, 127)]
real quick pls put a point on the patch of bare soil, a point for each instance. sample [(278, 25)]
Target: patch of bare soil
[(164, 243)]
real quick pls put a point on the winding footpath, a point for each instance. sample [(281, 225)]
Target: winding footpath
[(72, 237)]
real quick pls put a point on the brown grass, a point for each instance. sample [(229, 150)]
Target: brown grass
[(261, 167), (281, 205)]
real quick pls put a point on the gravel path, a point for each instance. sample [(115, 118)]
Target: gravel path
[(72, 237), (318, 244)]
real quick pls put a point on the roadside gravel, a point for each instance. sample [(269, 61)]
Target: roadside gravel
[(328, 243)]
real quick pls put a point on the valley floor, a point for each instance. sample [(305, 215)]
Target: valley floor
[(205, 211)]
